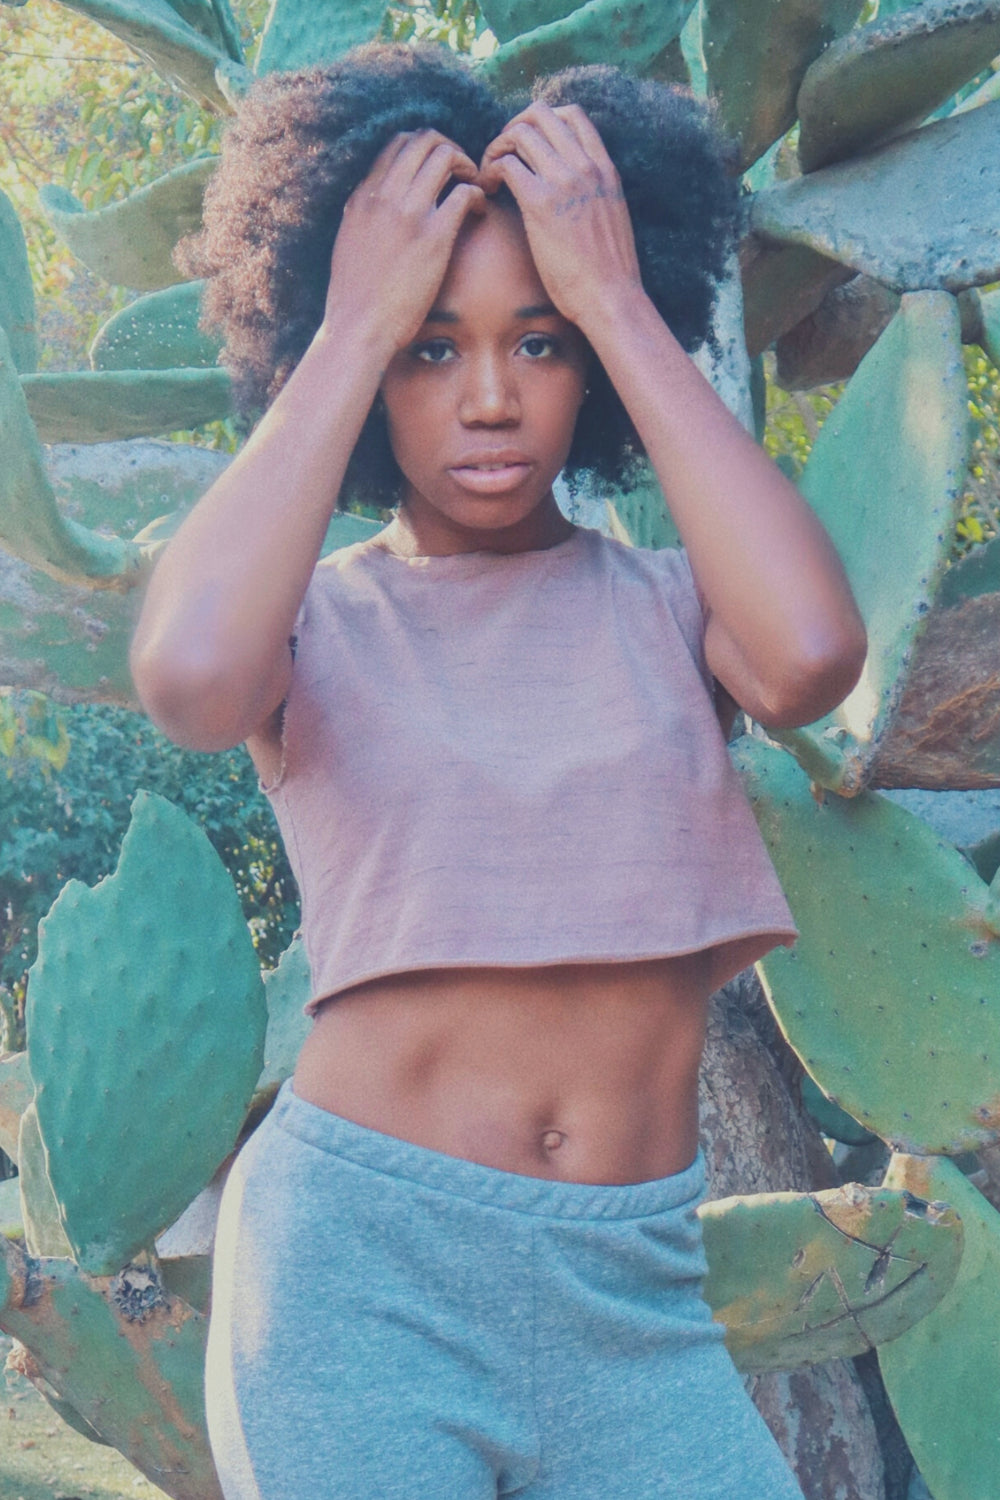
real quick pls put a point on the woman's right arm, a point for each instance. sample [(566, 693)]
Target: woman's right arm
[(210, 657)]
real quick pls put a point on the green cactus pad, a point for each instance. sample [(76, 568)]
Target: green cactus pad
[(43, 1231), (102, 406), (158, 332), (288, 987), (31, 526), (127, 485), (299, 33), (145, 1019), (215, 20), (830, 1118), (129, 243), (884, 77), (126, 1355), (799, 1278), (179, 53), (918, 212), (16, 1091), (17, 296), (891, 996), (633, 32), (643, 516), (884, 477), (942, 1374), (756, 56), (509, 18)]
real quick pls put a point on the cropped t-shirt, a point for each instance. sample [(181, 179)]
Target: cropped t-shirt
[(508, 760)]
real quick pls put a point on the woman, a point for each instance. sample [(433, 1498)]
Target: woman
[(460, 1257)]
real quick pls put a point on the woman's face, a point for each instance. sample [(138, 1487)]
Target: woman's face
[(482, 405)]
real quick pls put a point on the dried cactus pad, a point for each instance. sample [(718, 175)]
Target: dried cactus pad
[(803, 1277), (146, 1018)]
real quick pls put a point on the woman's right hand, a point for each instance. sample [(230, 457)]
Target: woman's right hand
[(396, 238)]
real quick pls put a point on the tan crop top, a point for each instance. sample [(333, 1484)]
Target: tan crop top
[(513, 760)]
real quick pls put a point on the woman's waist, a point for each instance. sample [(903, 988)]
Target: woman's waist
[(583, 1072)]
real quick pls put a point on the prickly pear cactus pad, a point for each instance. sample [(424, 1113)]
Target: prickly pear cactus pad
[(145, 1019), (101, 406), (920, 211), (157, 332), (756, 55), (179, 52), (126, 1355), (891, 996), (633, 32), (299, 33), (30, 523), (943, 1375), (798, 1278), (43, 1231), (890, 74), (17, 295), (130, 242), (287, 987), (884, 476)]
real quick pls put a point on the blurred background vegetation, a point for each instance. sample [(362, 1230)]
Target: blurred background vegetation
[(78, 109)]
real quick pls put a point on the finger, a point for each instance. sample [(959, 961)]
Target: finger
[(511, 171), (464, 199), (445, 162), (382, 163), (529, 144), (583, 127), (416, 151)]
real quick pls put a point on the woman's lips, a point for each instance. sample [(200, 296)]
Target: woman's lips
[(489, 478)]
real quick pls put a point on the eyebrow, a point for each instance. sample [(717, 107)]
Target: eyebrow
[(536, 310)]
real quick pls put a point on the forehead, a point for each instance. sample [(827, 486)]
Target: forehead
[(491, 262)]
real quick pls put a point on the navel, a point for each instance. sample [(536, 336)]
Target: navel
[(552, 1140)]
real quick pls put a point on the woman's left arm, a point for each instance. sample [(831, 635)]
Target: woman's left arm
[(783, 633)]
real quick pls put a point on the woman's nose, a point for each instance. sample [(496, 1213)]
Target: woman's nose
[(489, 393)]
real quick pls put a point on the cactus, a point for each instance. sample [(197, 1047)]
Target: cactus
[(889, 75), (912, 937), (851, 1268), (937, 1371), (17, 295), (887, 234), (111, 1091), (130, 243), (158, 332), (126, 1356), (634, 32), (887, 470)]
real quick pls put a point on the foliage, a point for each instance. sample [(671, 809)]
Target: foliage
[(70, 825)]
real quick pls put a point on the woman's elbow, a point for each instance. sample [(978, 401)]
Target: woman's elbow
[(184, 702), (820, 677)]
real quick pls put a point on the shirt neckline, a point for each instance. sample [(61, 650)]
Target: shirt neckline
[(456, 563)]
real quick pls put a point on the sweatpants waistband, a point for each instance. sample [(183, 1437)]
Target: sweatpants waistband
[(547, 1197)]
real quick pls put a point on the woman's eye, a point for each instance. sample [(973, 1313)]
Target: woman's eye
[(538, 346), (434, 351)]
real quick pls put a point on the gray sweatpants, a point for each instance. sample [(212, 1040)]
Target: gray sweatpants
[(390, 1323)]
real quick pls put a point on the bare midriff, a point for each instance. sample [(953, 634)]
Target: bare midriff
[(580, 1072)]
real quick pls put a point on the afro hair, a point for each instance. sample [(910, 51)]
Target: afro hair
[(301, 143)]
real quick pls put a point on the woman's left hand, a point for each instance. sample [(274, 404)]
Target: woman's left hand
[(570, 196)]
